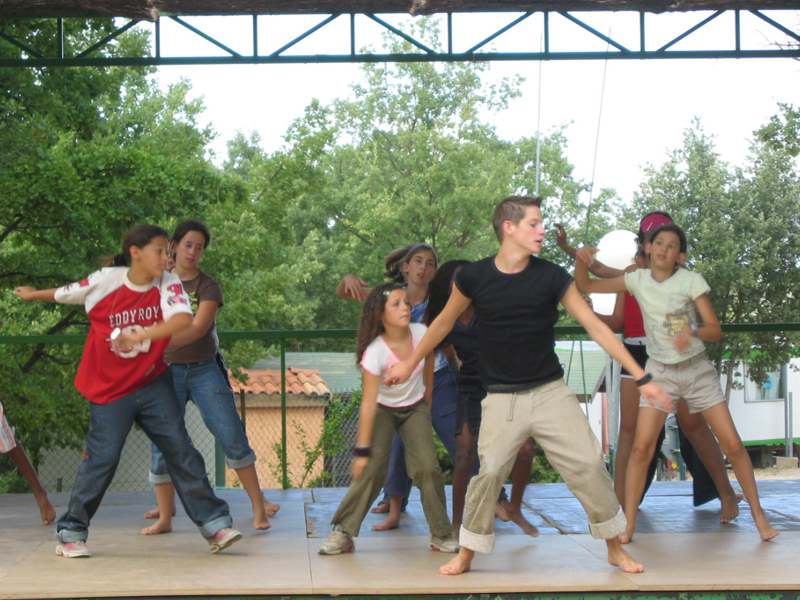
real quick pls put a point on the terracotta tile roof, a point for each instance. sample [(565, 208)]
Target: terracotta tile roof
[(299, 382)]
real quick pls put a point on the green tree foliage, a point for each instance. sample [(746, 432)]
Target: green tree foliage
[(86, 153), (410, 157), (742, 226)]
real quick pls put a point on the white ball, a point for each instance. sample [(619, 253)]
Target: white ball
[(617, 249)]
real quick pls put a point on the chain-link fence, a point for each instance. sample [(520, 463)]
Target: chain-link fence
[(320, 423)]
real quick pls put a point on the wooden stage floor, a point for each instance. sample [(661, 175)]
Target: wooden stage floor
[(683, 548)]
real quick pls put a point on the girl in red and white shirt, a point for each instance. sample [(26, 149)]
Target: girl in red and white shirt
[(134, 307)]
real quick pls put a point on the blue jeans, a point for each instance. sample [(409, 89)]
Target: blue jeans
[(206, 384), (155, 409), (443, 416)]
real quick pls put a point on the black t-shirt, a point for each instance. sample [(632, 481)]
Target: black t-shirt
[(516, 317), (464, 339)]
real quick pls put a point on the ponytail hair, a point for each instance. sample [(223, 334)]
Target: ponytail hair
[(371, 324), (395, 260), (139, 236)]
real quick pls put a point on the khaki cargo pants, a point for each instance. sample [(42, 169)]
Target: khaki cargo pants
[(550, 414)]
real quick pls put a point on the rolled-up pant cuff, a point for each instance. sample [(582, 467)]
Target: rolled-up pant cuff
[(207, 530), (67, 535), (609, 529), (157, 478), (479, 542), (241, 463)]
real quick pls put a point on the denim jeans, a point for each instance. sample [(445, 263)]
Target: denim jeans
[(206, 384), (443, 415), (155, 409)]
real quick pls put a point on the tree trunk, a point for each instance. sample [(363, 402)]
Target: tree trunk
[(151, 9)]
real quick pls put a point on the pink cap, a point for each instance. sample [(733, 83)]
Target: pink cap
[(653, 221)]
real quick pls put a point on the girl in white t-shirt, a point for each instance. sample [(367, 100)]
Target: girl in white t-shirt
[(385, 337), (671, 299)]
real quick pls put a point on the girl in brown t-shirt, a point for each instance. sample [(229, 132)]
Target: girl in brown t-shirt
[(198, 374)]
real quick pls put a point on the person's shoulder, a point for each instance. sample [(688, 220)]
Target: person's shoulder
[(206, 280), (691, 278), (374, 351), (477, 266)]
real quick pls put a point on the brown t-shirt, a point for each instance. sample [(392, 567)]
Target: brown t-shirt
[(199, 289)]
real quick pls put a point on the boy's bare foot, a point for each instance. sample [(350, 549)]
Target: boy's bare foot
[(621, 559), (502, 510), (156, 528), (270, 508), (154, 513), (46, 510), (526, 526), (380, 508), (730, 507), (626, 537), (390, 522), (765, 529), (459, 564)]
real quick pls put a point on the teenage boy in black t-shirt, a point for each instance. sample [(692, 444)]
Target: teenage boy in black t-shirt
[(516, 297)]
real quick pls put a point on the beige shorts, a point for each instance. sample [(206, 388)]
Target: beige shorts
[(694, 380)]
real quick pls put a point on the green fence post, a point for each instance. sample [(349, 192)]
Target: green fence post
[(284, 456)]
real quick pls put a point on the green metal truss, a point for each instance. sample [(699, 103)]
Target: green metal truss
[(784, 24)]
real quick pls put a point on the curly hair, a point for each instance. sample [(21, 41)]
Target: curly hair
[(371, 324)]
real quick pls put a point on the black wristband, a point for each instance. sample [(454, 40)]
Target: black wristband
[(362, 451), (646, 378)]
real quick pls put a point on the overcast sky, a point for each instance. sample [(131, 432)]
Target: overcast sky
[(646, 104)]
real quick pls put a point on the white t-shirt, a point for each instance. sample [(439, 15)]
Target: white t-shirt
[(378, 357), (668, 307)]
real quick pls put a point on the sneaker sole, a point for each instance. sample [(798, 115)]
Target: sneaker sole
[(61, 551), (346, 550), (217, 547)]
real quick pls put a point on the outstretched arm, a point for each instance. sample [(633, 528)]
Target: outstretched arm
[(597, 268), (601, 334), (438, 330), (28, 293), (589, 286)]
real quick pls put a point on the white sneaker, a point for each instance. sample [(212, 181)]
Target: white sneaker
[(449, 545), (223, 538), (338, 542), (73, 550)]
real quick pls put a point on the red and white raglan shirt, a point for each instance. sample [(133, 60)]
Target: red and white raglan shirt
[(112, 302)]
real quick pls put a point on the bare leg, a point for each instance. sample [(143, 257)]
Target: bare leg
[(392, 520), (629, 411), (520, 475), (719, 418), (705, 445), (249, 478), (619, 558), (466, 453), (648, 425), (165, 499), (459, 564), (25, 468)]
